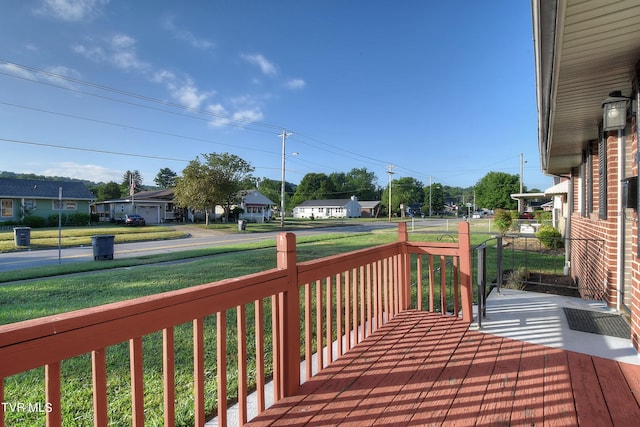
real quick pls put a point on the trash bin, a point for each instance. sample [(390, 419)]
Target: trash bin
[(242, 224), (102, 246), (22, 236)]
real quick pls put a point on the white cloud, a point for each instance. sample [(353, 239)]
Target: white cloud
[(187, 94), (119, 50), (267, 68), (72, 10), (89, 172), (295, 84), (185, 35), (17, 71), (248, 116)]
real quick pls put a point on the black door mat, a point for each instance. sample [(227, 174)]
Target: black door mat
[(596, 322)]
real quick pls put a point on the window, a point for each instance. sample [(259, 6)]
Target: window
[(29, 204), (67, 205), (7, 208)]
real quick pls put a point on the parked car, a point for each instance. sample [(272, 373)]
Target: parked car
[(526, 215), (134, 219)]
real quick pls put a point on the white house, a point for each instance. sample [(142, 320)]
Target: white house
[(331, 208), (256, 206)]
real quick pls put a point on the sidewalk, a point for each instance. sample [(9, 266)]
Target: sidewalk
[(539, 318)]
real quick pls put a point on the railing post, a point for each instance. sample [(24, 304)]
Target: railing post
[(482, 282), (290, 345), (405, 267), (464, 238)]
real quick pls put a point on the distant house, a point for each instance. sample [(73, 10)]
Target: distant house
[(331, 208), (256, 206), (28, 197), (369, 209), (155, 206)]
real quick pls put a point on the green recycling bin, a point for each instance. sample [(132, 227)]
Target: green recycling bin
[(242, 224), (102, 246)]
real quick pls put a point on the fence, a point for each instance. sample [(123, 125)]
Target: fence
[(280, 318)]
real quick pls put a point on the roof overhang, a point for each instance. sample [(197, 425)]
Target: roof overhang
[(583, 51)]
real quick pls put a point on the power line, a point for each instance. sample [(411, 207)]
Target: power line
[(92, 150)]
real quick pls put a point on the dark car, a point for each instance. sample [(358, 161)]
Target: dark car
[(134, 219), (527, 215)]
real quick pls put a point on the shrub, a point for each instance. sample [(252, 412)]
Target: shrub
[(78, 219), (52, 220), (503, 220), (34, 221), (550, 237)]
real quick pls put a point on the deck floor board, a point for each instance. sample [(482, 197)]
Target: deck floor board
[(426, 369)]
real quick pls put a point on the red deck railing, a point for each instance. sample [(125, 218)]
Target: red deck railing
[(325, 306)]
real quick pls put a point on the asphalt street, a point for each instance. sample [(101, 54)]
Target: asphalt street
[(10, 261)]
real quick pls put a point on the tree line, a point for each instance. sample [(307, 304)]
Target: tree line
[(215, 179)]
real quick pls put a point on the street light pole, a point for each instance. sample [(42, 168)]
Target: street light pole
[(284, 136), (390, 172)]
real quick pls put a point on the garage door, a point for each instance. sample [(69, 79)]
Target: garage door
[(149, 213)]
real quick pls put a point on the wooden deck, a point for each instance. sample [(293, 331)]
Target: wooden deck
[(425, 369)]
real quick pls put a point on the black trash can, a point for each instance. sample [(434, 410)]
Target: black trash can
[(22, 236), (102, 246), (242, 224)]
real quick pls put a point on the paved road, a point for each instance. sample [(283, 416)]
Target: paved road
[(26, 259)]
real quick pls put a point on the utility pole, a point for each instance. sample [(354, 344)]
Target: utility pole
[(284, 136), (430, 196), (390, 168), (520, 207)]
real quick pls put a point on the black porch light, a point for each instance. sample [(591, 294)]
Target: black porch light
[(614, 116)]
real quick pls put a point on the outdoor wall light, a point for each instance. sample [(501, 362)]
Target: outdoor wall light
[(615, 111)]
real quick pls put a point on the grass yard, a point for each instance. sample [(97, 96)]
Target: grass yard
[(47, 238)]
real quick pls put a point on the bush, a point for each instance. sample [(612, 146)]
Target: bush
[(79, 219), (52, 220), (34, 221), (550, 237), (503, 220)]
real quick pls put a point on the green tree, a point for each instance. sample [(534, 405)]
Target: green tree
[(494, 190), (131, 181), (403, 191), (109, 191), (215, 181), (433, 193), (166, 178), (271, 188), (314, 186)]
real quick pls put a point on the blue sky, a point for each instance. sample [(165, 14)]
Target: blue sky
[(442, 90)]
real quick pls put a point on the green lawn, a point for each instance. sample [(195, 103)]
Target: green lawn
[(47, 238)]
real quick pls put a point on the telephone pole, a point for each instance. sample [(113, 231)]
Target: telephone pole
[(284, 136), (390, 168)]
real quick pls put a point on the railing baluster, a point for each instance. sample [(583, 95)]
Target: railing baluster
[(354, 308), (385, 286), (52, 392), (456, 285), (1, 400), (419, 281), (168, 376), (259, 322), (443, 285), (347, 310), (198, 371), (221, 355), (376, 296), (308, 331), (329, 320), (137, 381), (339, 316), (319, 335), (363, 303), (99, 375), (431, 284), (241, 314), (276, 349), (369, 302)]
